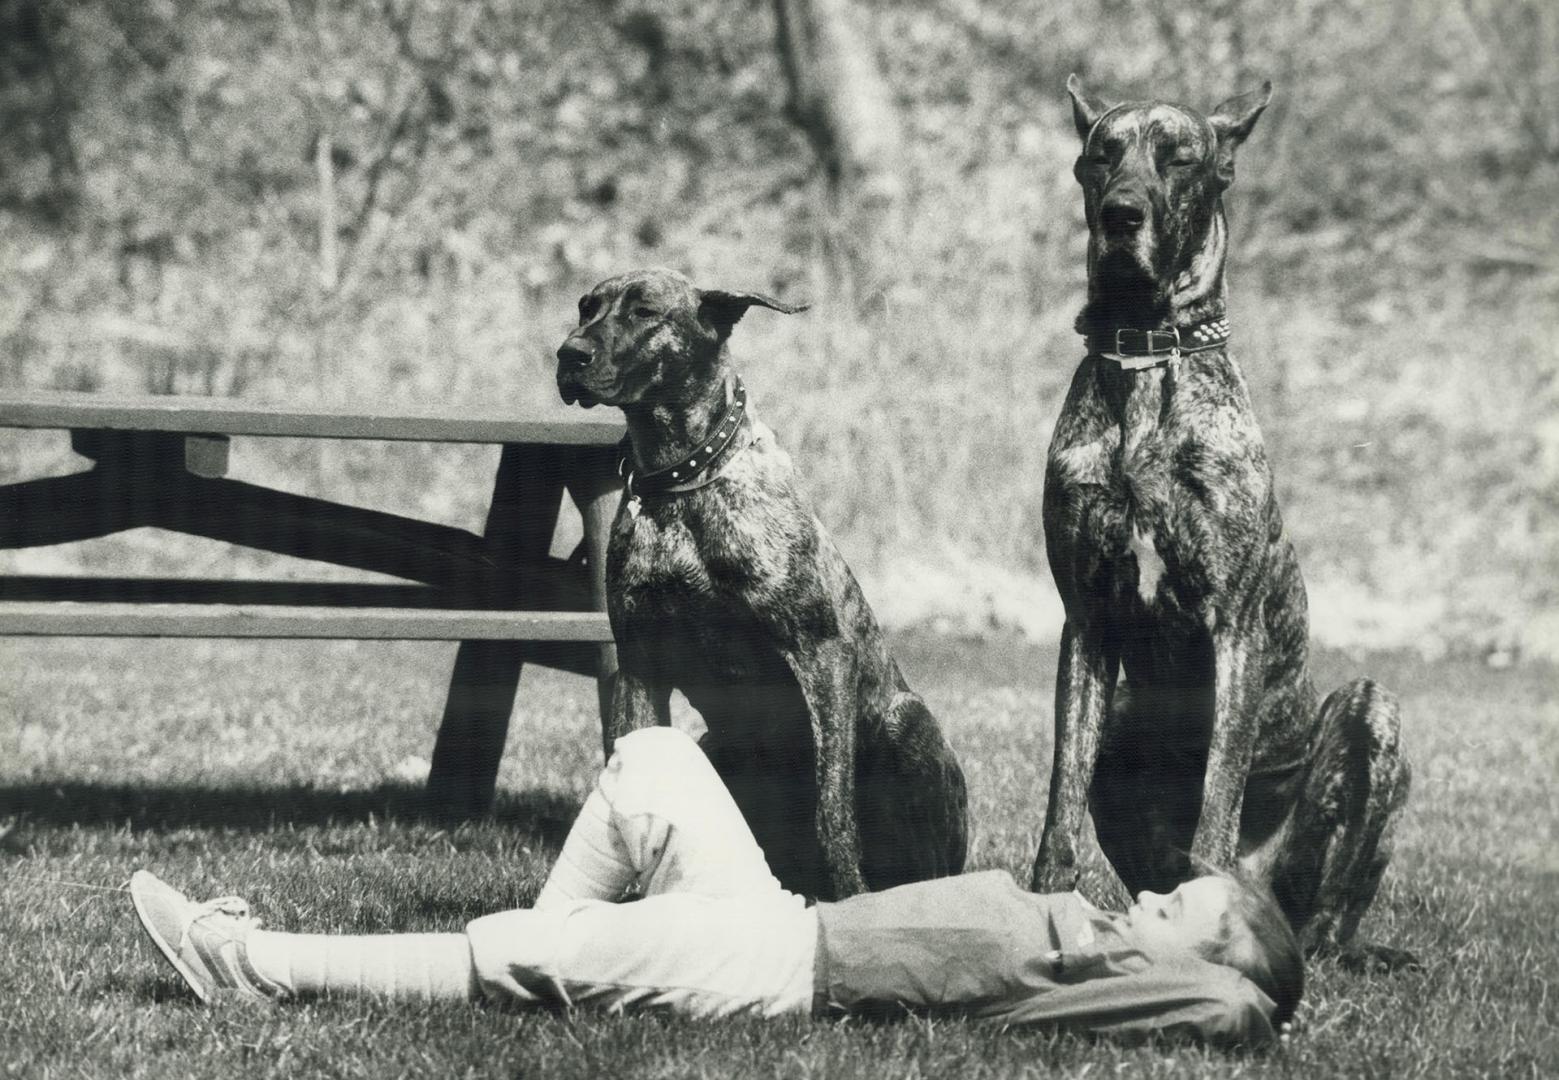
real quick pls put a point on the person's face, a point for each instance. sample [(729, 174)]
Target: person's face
[(1191, 918)]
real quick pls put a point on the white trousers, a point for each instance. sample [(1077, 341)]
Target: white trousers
[(714, 935)]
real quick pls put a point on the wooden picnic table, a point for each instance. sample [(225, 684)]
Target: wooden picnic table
[(161, 461)]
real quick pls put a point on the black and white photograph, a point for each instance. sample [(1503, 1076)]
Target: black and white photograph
[(795, 538)]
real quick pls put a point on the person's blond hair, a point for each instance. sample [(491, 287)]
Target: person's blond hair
[(1266, 952)]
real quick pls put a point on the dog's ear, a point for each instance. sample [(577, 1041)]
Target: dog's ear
[(1085, 110), (1232, 121), (723, 310)]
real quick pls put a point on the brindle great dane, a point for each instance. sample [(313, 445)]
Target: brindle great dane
[(1167, 545), (722, 583)]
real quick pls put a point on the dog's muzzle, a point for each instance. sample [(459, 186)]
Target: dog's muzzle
[(573, 362), (1122, 215), (1125, 242), (573, 357)]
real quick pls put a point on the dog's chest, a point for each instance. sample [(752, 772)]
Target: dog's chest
[(683, 580), (1132, 525), (1152, 501)]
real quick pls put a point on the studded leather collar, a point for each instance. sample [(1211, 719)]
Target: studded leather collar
[(702, 466), (1135, 350)]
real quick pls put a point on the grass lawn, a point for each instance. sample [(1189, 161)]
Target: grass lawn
[(288, 773)]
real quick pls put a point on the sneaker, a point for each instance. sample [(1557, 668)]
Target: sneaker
[(203, 942)]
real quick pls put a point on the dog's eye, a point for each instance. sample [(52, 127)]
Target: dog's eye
[(1105, 150), (645, 313), (588, 306)]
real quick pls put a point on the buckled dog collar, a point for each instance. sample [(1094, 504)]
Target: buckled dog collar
[(696, 469), (1136, 350)]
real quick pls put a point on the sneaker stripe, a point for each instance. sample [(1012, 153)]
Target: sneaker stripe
[(211, 945)]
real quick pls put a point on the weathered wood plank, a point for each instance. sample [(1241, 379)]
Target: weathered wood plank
[(553, 585), (227, 416), (267, 621)]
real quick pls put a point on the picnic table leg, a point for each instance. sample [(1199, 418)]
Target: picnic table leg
[(520, 522), (596, 488)]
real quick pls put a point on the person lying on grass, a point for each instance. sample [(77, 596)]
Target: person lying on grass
[(714, 934)]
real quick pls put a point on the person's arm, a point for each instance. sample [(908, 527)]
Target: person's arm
[(977, 945), (1193, 999)]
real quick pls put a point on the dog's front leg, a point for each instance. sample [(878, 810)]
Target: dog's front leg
[(1236, 689), (636, 703), (825, 672), (1085, 681)]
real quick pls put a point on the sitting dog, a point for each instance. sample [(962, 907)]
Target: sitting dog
[(722, 584), (1167, 545)]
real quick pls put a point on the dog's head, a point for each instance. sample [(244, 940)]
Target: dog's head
[(650, 336), (1153, 175)]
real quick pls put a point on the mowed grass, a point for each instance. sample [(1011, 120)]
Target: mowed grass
[(286, 772)]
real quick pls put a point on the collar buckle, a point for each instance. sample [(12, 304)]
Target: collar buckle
[(1147, 342)]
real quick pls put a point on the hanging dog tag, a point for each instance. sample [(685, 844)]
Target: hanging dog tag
[(633, 508)]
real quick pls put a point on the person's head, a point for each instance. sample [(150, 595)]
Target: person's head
[(1232, 921)]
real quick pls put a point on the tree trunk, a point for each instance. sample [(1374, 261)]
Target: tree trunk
[(840, 100)]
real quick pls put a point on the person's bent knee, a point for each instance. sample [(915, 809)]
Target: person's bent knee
[(662, 772), (656, 770), (657, 748)]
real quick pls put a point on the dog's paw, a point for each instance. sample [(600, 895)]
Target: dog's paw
[(1371, 959)]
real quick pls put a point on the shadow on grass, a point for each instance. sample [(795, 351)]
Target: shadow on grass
[(542, 816)]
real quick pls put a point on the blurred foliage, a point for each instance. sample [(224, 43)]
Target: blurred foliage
[(168, 167)]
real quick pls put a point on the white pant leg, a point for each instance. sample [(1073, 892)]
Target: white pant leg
[(715, 934), (660, 818), (696, 955)]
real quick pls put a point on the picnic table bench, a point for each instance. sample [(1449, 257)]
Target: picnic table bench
[(161, 461)]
